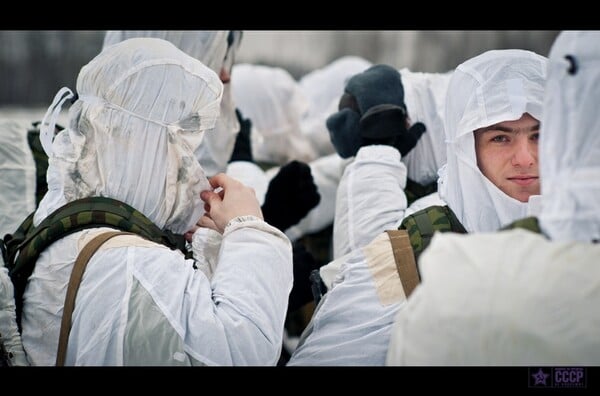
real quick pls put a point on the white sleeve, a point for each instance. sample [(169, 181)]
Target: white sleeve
[(9, 333), (351, 325), (250, 289), (206, 244), (370, 198)]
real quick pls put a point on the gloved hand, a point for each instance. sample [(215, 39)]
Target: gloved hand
[(291, 194), (372, 111), (304, 264), (242, 150), (387, 124)]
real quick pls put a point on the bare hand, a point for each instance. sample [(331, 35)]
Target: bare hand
[(233, 199)]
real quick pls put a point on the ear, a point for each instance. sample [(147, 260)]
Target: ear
[(344, 132)]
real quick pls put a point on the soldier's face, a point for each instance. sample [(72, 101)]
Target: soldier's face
[(507, 154)]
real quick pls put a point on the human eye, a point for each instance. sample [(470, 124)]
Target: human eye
[(499, 138), (535, 136)]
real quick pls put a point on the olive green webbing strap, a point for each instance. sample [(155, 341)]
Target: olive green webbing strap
[(405, 260), (76, 274)]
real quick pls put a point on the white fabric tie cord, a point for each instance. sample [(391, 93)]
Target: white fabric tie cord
[(49, 120), (200, 121)]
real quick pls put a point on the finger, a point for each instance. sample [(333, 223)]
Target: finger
[(188, 235), (417, 129), (210, 198), (219, 180)]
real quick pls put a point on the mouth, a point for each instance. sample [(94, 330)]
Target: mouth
[(523, 180)]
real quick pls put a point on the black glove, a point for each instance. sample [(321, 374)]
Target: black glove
[(242, 150), (386, 124), (372, 111), (304, 264), (291, 194)]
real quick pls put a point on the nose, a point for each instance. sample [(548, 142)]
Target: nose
[(525, 153), (224, 75)]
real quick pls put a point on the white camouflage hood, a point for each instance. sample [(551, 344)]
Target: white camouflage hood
[(496, 86)]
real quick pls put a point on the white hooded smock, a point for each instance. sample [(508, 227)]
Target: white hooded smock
[(210, 48), (515, 297), (356, 316), (496, 86), (425, 96), (351, 325), (370, 197), (143, 109)]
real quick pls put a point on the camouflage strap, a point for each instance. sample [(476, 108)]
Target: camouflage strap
[(73, 287), (405, 260), (423, 224), (414, 190), (528, 223)]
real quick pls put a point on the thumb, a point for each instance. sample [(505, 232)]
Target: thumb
[(416, 130), (411, 137)]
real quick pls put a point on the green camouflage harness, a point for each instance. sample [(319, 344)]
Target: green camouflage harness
[(22, 248), (414, 190), (528, 223), (421, 226), (415, 233)]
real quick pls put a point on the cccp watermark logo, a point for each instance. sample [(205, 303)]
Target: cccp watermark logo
[(558, 377)]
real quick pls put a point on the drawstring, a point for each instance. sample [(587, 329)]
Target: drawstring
[(49, 121), (197, 122)]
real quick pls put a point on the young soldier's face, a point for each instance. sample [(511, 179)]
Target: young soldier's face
[(507, 154)]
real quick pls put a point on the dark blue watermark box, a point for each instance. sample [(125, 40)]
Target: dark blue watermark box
[(558, 377)]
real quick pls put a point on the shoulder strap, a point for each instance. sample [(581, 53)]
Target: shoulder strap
[(423, 224), (405, 260), (75, 280), (414, 190), (528, 223), (28, 242)]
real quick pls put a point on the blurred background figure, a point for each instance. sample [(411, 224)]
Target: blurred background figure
[(274, 102), (17, 176)]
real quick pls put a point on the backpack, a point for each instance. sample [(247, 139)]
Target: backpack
[(22, 248)]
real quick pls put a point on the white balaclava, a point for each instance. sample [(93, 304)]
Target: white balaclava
[(570, 140), (212, 49), (424, 94), (496, 86), (274, 102), (142, 109)]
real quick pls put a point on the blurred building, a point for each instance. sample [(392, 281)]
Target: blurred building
[(35, 64)]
